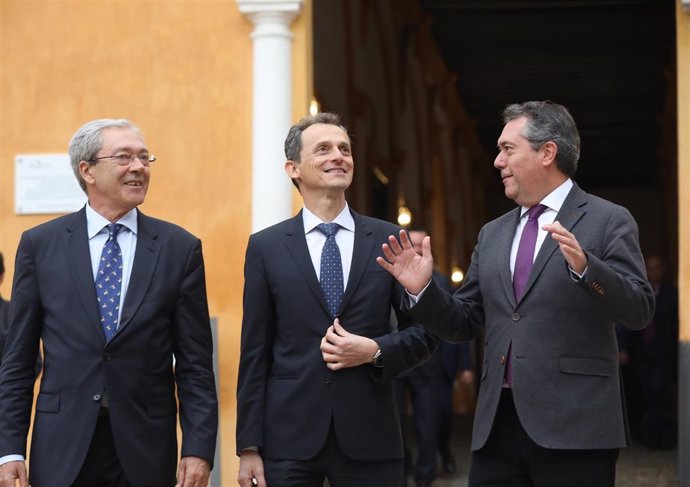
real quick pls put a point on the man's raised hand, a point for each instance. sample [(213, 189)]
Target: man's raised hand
[(413, 271)]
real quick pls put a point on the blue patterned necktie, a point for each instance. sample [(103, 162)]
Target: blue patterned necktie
[(109, 282), (331, 277)]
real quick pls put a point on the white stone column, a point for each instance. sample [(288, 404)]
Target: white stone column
[(272, 106)]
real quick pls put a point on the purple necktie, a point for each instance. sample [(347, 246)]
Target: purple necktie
[(523, 266), (525, 254)]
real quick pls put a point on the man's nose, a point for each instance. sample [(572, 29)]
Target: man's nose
[(499, 162), (136, 165)]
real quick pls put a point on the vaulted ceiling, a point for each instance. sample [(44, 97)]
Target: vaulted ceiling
[(611, 62)]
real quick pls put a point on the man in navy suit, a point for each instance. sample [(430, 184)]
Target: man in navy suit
[(4, 310), (550, 409), (5, 319), (106, 411), (315, 393)]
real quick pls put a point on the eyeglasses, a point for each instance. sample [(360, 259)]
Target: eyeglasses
[(126, 159)]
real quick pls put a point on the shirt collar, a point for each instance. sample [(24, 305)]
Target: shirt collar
[(95, 221), (555, 199), (344, 219)]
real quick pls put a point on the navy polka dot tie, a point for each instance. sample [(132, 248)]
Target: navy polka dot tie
[(109, 282), (331, 277)]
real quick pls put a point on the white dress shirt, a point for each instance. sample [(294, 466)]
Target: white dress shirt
[(553, 202), (345, 238), (126, 239)]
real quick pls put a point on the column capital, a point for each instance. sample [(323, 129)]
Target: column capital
[(260, 11)]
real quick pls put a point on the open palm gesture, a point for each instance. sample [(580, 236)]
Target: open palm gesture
[(413, 271)]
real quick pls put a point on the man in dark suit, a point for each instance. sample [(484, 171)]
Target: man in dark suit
[(4, 310), (106, 411), (315, 394), (5, 320), (548, 282)]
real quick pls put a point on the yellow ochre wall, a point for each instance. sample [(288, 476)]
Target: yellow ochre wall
[(182, 71), (683, 84)]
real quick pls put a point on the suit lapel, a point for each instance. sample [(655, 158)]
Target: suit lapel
[(361, 253), (143, 269), (296, 243), (570, 213), (76, 241), (505, 239)]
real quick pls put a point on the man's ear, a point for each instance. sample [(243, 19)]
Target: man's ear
[(85, 172), (549, 151), (292, 169)]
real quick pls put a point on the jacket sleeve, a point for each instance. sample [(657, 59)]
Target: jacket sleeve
[(258, 325), (406, 347), (194, 375), (17, 372), (617, 279)]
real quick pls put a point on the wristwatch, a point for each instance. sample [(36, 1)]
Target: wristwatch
[(377, 359)]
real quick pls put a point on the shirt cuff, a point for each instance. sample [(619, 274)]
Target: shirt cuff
[(575, 276), (414, 298), (11, 458)]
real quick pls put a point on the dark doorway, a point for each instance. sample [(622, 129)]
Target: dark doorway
[(611, 62)]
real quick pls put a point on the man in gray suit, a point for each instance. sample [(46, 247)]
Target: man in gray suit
[(547, 282)]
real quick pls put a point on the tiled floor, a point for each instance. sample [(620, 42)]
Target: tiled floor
[(637, 466)]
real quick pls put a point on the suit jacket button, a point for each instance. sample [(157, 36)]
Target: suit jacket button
[(516, 316), (96, 397), (503, 359), (106, 356), (328, 380)]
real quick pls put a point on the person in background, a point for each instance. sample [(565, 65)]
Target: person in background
[(115, 296), (430, 387), (654, 357), (315, 395), (548, 282), (457, 366)]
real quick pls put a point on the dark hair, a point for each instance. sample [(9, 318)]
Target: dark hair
[(293, 141), (549, 121)]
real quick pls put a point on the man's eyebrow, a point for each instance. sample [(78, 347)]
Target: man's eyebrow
[(119, 148)]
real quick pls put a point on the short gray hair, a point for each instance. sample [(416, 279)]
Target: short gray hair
[(293, 141), (549, 121), (87, 141)]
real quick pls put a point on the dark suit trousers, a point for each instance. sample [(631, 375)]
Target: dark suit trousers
[(426, 416), (101, 467), (332, 464), (511, 458)]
